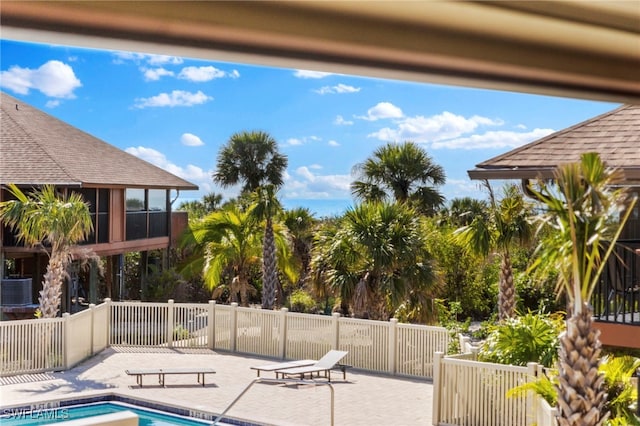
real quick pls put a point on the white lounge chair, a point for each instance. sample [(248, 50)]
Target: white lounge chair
[(281, 365), (324, 365)]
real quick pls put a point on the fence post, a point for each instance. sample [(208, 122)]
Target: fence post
[(233, 324), (107, 301), (283, 332), (92, 308), (531, 406), (67, 340), (393, 337), (336, 330), (211, 325), (170, 323), (475, 350), (437, 387)]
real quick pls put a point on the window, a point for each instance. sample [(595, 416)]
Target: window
[(135, 200), (157, 200), (147, 213)]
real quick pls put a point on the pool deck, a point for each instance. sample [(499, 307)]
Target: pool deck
[(363, 399)]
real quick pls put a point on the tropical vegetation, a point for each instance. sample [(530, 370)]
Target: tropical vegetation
[(401, 172), (375, 258), (505, 225), (579, 210), (252, 159), (55, 222)]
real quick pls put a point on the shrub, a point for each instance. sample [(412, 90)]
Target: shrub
[(301, 301), (532, 337), (621, 393)]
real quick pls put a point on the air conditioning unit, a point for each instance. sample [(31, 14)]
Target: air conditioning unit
[(15, 292)]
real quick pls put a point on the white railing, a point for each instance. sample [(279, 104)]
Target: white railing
[(546, 415), (468, 392), (32, 346), (310, 336), (388, 347)]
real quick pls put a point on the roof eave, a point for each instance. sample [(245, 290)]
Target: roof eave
[(631, 174), (510, 173)]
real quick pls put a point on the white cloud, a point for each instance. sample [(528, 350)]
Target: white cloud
[(308, 185), (521, 126), (294, 141), (340, 88), (310, 74), (305, 173), (154, 74), (162, 59), (333, 143), (190, 173), (189, 139), (122, 57), (201, 74), (234, 74), (301, 141), (381, 111), (156, 61), (175, 98), (432, 129), (315, 167), (52, 103), (493, 139), (54, 78), (340, 121)]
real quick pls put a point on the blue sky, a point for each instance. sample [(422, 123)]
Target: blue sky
[(177, 112)]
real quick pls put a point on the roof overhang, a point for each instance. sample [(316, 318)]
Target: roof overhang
[(560, 48), (631, 174), (508, 174)]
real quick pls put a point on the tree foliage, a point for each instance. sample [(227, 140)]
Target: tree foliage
[(55, 222), (401, 172), (578, 210), (250, 159), (376, 260)]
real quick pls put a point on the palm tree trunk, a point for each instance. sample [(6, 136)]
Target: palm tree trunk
[(51, 293), (269, 271), (361, 298), (581, 394), (507, 291)]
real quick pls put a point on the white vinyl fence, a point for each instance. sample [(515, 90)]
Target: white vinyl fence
[(467, 392), (48, 345)]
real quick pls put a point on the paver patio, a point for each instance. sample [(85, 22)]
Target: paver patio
[(363, 399)]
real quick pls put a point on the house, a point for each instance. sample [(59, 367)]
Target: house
[(614, 135), (130, 200)]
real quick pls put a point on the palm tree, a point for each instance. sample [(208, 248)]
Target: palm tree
[(224, 244), (251, 159), (402, 172), (265, 208), (377, 258), (301, 223), (56, 222), (226, 247), (582, 238), (507, 223), (197, 209), (462, 211)]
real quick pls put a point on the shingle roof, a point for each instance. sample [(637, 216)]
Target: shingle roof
[(36, 148), (615, 135)]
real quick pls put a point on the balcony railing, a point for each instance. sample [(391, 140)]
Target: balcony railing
[(616, 298)]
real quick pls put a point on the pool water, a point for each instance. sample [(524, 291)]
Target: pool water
[(57, 415)]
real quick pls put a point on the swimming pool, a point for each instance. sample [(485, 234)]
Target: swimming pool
[(45, 416)]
